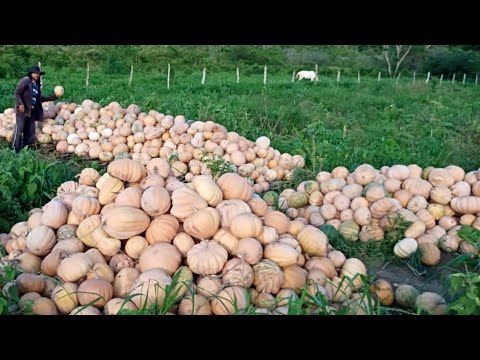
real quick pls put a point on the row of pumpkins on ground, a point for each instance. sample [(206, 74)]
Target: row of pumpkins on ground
[(133, 228), (112, 132)]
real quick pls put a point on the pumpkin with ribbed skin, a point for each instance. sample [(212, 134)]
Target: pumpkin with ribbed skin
[(269, 276), (202, 224), (85, 206), (415, 230), (207, 258), (109, 190), (277, 220), (198, 305), (149, 288), (162, 229), (162, 256), (155, 200), (229, 301), (364, 174), (295, 278), (246, 225), (349, 230), (440, 177), (466, 205), (26, 283), (352, 268), (237, 272), (186, 202), (54, 214), (283, 254), (41, 240), (124, 222), (95, 292), (258, 205), (65, 297), (429, 254), (207, 189), (127, 170), (297, 200), (313, 241), (234, 186), (405, 248)]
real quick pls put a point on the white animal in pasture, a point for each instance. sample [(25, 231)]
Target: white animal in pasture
[(307, 75)]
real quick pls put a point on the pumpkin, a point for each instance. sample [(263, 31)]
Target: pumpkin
[(246, 225), (462, 188), (352, 268), (417, 203), (162, 229), (429, 254), (237, 272), (203, 223), (250, 250), (335, 184), (130, 196), (426, 217), (85, 206), (268, 276), (364, 174), (265, 301), (225, 238), (349, 230), (85, 310), (441, 177), (258, 205), (109, 190), (466, 205), (429, 301), (123, 222), (441, 195), (436, 210), (26, 283), (297, 200), (74, 267), (391, 185), (230, 300), (277, 220), (405, 296), (195, 304), (383, 290), (54, 214), (284, 255), (158, 166), (371, 232), (44, 306), (28, 262), (340, 172), (113, 306), (207, 258), (155, 200), (295, 278), (186, 202), (161, 255), (65, 297), (234, 186), (127, 170), (123, 281), (51, 261), (399, 172), (208, 189), (415, 230), (41, 240), (315, 198), (405, 248), (149, 288), (313, 241), (88, 177), (324, 264), (337, 258), (209, 286)]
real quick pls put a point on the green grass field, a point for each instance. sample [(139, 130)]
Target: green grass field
[(332, 124)]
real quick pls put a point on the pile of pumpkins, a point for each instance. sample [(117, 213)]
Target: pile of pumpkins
[(111, 132), (115, 241), (366, 203)]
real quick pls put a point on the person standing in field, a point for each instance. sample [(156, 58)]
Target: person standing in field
[(28, 108)]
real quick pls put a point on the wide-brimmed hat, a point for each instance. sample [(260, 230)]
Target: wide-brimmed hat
[(36, 69)]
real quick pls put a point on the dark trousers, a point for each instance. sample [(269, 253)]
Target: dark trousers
[(24, 126)]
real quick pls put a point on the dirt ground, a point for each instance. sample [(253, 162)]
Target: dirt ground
[(432, 279)]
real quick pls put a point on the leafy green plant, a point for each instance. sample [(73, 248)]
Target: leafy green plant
[(218, 165)]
